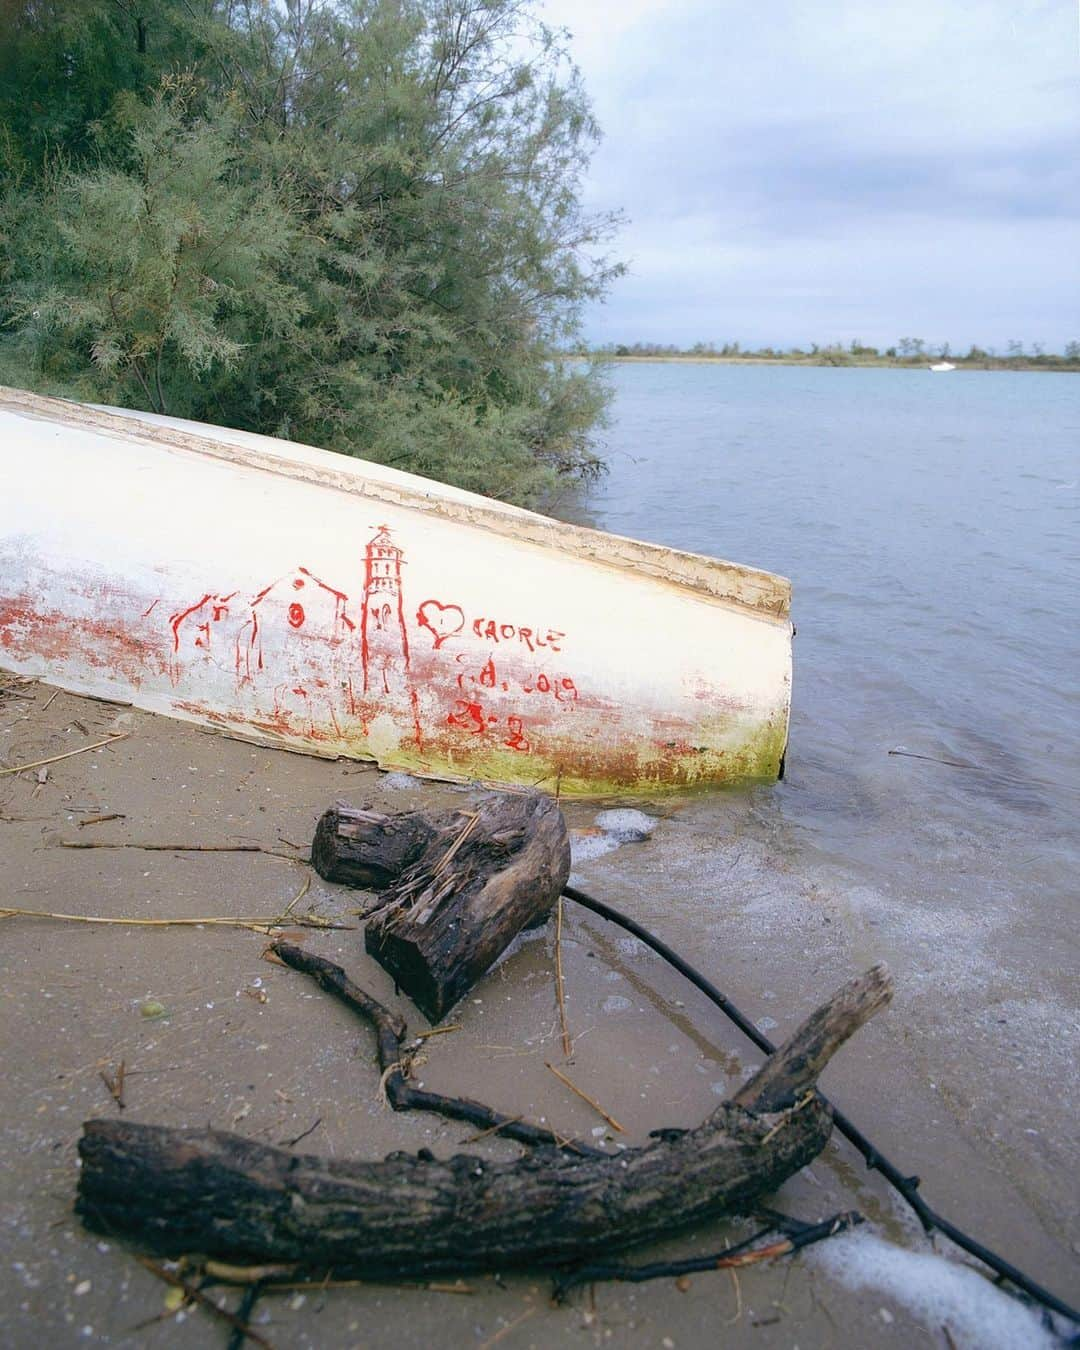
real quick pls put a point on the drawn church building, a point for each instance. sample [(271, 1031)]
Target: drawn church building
[(296, 642)]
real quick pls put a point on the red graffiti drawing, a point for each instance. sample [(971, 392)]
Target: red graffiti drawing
[(224, 628), (442, 621), (300, 624), (292, 651), (384, 642), (533, 638), (562, 687), (196, 630), (472, 718), (516, 740), (300, 603), (468, 716)]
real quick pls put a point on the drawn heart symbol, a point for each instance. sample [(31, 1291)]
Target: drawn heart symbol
[(443, 621)]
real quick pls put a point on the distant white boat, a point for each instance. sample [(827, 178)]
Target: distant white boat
[(943, 365)]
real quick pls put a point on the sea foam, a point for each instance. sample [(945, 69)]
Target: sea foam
[(937, 1291)]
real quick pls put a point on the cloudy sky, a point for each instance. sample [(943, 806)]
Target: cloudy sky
[(797, 171)]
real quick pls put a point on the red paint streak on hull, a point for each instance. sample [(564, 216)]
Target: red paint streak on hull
[(102, 644), (532, 706)]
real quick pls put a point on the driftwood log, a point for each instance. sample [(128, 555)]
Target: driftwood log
[(184, 1191), (358, 846), (456, 888)]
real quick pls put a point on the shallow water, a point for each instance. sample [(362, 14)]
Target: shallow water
[(928, 525)]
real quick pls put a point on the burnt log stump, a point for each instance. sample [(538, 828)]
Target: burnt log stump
[(456, 887), (357, 846), (481, 878)]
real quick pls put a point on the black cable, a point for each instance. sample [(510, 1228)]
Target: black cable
[(730, 1258), (243, 1315), (875, 1159)]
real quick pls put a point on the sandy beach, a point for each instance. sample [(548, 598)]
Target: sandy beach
[(249, 1046)]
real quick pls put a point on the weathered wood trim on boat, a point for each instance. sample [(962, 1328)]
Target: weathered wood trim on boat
[(762, 592)]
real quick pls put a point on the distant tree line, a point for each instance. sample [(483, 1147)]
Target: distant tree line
[(355, 223), (908, 351)]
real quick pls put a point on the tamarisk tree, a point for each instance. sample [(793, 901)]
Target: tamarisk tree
[(356, 225)]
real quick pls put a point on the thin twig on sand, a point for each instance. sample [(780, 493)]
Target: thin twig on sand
[(280, 920), (506, 1330), (585, 1097), (437, 1031), (567, 1043), (257, 925), (197, 1296), (54, 759), (182, 848)]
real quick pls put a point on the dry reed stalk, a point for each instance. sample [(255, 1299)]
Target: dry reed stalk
[(585, 1097), (567, 1043), (181, 848), (437, 1031), (256, 925), (54, 759), (491, 1129), (506, 1330)]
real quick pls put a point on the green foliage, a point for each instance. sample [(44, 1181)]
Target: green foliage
[(64, 64), (133, 282), (353, 224)]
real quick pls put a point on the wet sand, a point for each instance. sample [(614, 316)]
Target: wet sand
[(249, 1046)]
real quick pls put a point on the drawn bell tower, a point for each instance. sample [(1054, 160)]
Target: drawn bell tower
[(384, 643)]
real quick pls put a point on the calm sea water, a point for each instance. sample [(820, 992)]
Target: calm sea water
[(928, 524)]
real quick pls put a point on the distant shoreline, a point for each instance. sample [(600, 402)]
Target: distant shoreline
[(1061, 366)]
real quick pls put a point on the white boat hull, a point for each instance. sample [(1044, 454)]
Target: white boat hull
[(303, 599)]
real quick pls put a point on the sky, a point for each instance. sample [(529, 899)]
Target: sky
[(796, 171)]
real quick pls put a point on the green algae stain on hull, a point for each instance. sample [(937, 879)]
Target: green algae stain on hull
[(752, 755)]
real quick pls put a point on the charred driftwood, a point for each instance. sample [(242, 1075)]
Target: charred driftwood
[(178, 1191), (478, 880), (361, 847), (457, 888)]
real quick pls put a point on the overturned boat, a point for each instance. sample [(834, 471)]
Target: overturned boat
[(305, 599)]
